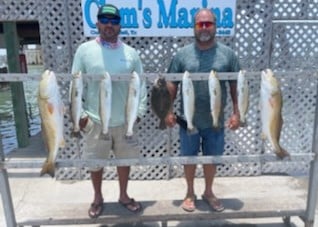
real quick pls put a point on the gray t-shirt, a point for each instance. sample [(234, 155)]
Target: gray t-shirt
[(219, 58)]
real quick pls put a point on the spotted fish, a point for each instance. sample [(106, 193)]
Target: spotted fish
[(76, 93), (215, 97), (51, 113), (105, 103), (271, 107), (188, 98), (132, 103), (242, 96)]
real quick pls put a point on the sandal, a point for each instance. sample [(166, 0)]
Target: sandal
[(132, 205), (95, 210), (188, 203), (214, 203)]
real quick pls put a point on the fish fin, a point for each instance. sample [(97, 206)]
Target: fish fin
[(76, 134), (162, 125), (192, 131), (62, 143), (243, 124), (48, 168)]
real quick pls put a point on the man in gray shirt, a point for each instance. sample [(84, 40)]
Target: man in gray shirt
[(204, 55)]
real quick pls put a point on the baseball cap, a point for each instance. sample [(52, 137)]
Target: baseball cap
[(108, 10)]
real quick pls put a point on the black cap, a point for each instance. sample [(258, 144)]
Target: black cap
[(108, 10)]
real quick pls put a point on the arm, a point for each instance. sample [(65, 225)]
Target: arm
[(142, 108), (170, 119), (234, 121)]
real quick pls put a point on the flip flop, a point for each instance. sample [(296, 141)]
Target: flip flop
[(95, 210), (131, 205), (214, 203), (188, 203)]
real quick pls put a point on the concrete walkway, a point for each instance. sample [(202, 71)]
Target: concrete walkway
[(38, 198)]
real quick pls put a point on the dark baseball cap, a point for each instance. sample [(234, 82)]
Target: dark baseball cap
[(108, 10)]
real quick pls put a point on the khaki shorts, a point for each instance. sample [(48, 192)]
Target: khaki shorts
[(96, 148)]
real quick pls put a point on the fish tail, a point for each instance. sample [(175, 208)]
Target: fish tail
[(243, 123), (48, 168), (282, 153), (76, 134), (192, 131), (215, 124), (104, 136), (162, 125)]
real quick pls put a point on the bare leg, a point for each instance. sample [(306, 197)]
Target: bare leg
[(124, 199), (209, 173), (123, 175), (208, 195), (188, 203), (96, 178), (189, 172), (96, 207)]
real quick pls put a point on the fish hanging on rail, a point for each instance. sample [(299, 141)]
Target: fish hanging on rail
[(242, 96), (215, 97), (271, 107), (132, 104), (52, 119), (161, 101), (105, 104), (76, 93), (188, 98)]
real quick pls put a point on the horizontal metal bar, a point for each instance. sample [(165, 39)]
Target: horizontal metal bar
[(295, 22), (15, 77), (78, 163), (165, 217)]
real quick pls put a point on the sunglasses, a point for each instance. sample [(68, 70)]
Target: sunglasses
[(105, 20), (204, 24)]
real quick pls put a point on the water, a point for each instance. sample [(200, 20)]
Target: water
[(7, 124)]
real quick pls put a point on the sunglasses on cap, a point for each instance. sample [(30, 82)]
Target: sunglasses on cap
[(204, 24), (105, 20)]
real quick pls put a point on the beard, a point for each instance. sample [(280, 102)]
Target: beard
[(204, 37)]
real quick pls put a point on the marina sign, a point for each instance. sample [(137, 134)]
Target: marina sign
[(161, 17)]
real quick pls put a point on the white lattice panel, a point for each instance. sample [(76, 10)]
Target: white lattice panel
[(295, 9), (258, 42), (295, 46)]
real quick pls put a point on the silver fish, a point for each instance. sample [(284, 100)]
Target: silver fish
[(188, 101), (242, 96), (271, 106), (105, 103), (52, 122), (132, 103), (161, 101), (215, 97), (76, 93)]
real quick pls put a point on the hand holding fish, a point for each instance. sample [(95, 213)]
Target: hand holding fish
[(170, 119), (234, 121)]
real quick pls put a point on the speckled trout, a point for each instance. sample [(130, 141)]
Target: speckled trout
[(242, 96), (215, 97), (271, 106), (105, 104), (132, 103), (76, 93), (51, 113), (188, 101)]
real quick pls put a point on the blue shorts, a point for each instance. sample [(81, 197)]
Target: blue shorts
[(212, 142)]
